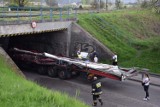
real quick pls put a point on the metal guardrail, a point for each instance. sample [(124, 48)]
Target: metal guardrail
[(9, 15)]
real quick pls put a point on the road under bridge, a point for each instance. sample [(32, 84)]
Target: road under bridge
[(61, 37), (115, 93)]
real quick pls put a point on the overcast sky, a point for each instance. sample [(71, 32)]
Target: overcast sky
[(125, 1)]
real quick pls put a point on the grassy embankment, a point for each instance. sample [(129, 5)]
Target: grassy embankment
[(15, 91), (133, 34)]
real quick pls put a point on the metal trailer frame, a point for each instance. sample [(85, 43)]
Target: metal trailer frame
[(66, 67)]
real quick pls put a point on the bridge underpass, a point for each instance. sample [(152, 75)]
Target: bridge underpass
[(50, 42), (53, 37), (45, 37)]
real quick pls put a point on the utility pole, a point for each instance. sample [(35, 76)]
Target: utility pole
[(98, 7), (106, 4)]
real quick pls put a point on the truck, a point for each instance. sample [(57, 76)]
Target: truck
[(66, 68)]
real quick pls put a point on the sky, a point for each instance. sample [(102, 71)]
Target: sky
[(71, 1), (125, 1)]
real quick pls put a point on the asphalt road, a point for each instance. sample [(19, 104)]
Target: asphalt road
[(115, 93)]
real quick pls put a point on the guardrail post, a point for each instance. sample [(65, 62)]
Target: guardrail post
[(68, 12), (51, 14), (41, 14), (30, 14), (18, 14), (3, 13), (61, 14)]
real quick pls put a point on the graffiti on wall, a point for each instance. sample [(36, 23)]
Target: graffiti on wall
[(85, 47)]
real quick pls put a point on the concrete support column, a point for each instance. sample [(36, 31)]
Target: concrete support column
[(68, 40)]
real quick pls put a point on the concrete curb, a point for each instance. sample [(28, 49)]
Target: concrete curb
[(155, 75), (136, 80)]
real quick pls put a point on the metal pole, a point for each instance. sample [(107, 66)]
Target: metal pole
[(41, 14), (30, 14), (41, 10), (68, 12), (51, 14), (106, 4), (18, 13), (60, 14), (98, 5)]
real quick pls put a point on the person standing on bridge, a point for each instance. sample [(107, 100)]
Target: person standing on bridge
[(96, 91), (145, 84)]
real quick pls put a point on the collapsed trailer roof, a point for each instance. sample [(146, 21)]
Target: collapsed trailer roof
[(99, 69)]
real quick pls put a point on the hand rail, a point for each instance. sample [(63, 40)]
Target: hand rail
[(29, 14)]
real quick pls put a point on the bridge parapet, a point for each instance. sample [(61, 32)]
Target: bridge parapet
[(19, 15), (23, 29)]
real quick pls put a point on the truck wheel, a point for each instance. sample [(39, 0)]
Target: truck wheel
[(64, 74), (52, 71), (41, 70)]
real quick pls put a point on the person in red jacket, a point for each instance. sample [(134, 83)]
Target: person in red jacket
[(96, 91)]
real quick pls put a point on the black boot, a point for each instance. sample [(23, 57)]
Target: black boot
[(100, 100), (94, 103)]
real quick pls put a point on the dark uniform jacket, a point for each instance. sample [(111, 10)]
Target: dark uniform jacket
[(96, 87)]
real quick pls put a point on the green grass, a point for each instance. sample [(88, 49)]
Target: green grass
[(133, 34), (15, 91)]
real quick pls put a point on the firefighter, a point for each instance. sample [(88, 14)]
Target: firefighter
[(79, 54), (96, 91)]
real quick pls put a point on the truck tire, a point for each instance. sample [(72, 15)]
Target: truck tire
[(64, 74), (52, 71), (41, 70)]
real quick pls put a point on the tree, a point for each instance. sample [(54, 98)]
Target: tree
[(155, 4), (118, 4), (83, 1), (94, 3), (52, 2), (20, 3), (107, 3), (102, 4), (152, 4), (144, 4)]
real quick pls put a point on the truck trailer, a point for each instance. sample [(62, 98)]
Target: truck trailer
[(65, 68)]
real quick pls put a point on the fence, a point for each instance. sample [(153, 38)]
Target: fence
[(34, 10)]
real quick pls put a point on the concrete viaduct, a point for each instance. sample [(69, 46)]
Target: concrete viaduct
[(61, 37)]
